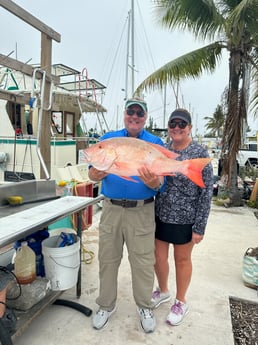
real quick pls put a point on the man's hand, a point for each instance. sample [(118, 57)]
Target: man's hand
[(149, 178), (96, 175)]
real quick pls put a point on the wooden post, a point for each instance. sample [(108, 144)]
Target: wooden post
[(254, 194), (46, 62)]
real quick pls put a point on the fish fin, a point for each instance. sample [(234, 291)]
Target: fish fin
[(128, 178), (194, 169), (168, 174), (165, 151)]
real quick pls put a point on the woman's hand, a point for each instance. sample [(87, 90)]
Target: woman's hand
[(196, 238)]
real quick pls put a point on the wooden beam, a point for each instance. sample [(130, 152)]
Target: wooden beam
[(15, 97), (25, 68), (30, 19)]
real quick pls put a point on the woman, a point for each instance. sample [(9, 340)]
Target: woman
[(182, 212)]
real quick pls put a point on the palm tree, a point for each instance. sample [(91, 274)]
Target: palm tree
[(216, 123), (229, 25)]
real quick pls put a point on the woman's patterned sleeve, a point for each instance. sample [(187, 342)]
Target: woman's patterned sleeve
[(204, 202)]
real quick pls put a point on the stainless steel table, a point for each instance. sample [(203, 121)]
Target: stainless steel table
[(20, 221), (17, 222)]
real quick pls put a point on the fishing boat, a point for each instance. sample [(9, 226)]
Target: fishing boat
[(21, 111)]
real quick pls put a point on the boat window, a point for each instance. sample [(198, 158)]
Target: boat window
[(57, 121)]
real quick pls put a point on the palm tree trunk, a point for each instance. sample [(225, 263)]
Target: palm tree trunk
[(234, 194), (233, 128)]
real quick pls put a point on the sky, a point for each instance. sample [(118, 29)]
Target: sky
[(94, 41)]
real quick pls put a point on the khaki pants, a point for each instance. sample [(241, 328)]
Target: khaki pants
[(134, 226)]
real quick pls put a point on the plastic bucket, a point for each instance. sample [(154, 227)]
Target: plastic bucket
[(61, 264)]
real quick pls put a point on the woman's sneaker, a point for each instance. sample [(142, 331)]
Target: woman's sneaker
[(159, 297), (100, 319), (178, 311)]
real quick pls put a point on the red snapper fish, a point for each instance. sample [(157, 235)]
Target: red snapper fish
[(124, 156)]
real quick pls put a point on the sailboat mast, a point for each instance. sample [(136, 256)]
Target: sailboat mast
[(130, 64), (132, 43), (127, 55), (165, 107)]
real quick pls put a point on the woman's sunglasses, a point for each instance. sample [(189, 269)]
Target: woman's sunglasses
[(181, 124), (131, 112)]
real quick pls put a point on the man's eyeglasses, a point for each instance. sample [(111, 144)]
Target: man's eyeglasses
[(131, 112), (181, 124)]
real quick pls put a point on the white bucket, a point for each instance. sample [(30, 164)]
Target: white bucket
[(61, 263)]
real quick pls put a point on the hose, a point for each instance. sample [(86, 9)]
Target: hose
[(81, 308)]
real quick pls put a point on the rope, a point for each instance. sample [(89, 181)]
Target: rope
[(86, 252)]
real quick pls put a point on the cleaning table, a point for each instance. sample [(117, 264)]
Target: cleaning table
[(17, 222)]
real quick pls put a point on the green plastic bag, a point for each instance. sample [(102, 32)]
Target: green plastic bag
[(250, 268)]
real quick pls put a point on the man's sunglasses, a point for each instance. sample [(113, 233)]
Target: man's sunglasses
[(131, 112), (181, 124)]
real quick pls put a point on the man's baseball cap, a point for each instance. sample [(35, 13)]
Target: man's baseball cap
[(136, 101)]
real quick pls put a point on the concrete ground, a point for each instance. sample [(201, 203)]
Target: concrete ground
[(217, 269)]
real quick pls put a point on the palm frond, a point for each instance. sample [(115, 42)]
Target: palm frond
[(201, 17), (190, 65), (228, 5), (242, 22)]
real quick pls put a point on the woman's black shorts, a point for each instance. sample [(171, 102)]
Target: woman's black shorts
[(173, 233)]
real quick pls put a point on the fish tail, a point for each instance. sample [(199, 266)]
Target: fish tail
[(193, 170)]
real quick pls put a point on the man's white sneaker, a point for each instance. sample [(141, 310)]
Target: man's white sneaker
[(100, 319), (178, 311), (147, 319), (159, 297)]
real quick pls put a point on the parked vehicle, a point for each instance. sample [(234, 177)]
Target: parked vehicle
[(248, 157)]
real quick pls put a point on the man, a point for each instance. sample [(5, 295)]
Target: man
[(128, 217)]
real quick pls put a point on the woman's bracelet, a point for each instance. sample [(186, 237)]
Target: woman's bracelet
[(159, 187)]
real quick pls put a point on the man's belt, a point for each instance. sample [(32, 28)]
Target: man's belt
[(131, 203)]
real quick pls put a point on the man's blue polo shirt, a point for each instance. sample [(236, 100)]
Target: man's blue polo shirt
[(115, 187)]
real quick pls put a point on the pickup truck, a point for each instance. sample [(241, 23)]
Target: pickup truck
[(248, 157)]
